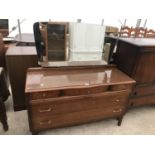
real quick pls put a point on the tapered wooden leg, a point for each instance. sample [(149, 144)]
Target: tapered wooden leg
[(35, 133), (3, 117), (5, 126), (119, 120)]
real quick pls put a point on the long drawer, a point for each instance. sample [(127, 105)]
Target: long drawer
[(61, 120), (48, 107), (142, 100)]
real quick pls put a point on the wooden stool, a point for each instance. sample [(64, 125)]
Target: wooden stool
[(4, 93)]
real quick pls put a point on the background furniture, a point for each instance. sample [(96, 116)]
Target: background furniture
[(126, 31), (112, 40), (106, 52), (4, 27), (86, 42), (150, 33), (137, 32), (136, 58), (3, 48), (18, 59), (58, 97), (25, 39), (140, 32), (4, 94), (2, 52), (111, 31)]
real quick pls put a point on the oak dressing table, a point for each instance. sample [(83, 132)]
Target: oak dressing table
[(58, 97)]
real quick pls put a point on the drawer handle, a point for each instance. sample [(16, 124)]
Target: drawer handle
[(117, 110), (117, 100), (43, 94), (45, 110), (45, 122)]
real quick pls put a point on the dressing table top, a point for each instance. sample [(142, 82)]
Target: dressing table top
[(40, 79)]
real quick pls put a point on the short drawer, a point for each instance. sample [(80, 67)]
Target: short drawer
[(77, 103), (144, 100), (120, 87), (144, 90), (84, 91), (61, 120), (44, 95)]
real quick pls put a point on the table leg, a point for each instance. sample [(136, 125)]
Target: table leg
[(3, 117), (119, 120)]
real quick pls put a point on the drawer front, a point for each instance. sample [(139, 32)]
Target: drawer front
[(73, 104), (142, 100), (121, 87), (85, 91), (143, 90), (44, 95), (79, 117)]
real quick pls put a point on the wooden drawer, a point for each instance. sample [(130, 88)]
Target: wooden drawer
[(144, 90), (77, 103), (85, 91), (44, 95), (120, 87), (142, 100), (78, 117)]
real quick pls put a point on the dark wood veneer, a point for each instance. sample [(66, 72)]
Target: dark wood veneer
[(58, 97), (18, 59), (136, 57)]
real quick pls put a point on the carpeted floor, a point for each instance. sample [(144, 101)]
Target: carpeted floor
[(139, 121)]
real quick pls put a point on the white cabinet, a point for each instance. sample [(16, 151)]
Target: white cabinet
[(86, 41)]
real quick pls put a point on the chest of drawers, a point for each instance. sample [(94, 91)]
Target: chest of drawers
[(58, 97), (143, 95), (27, 57), (136, 58)]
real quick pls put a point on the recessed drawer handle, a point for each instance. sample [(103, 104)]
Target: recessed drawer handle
[(45, 110), (117, 110), (45, 122), (44, 95), (117, 100)]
